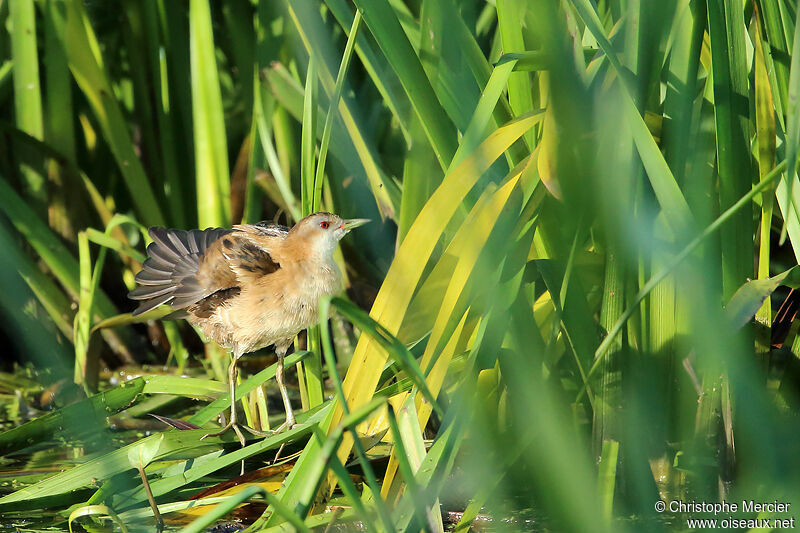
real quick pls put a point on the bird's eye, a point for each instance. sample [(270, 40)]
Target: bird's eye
[(324, 224)]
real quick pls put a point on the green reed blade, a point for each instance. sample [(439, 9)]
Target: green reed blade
[(27, 91), (332, 106), (385, 27), (210, 142)]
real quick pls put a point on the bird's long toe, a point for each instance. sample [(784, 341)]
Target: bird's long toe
[(286, 426), (219, 433), (225, 429), (258, 433)]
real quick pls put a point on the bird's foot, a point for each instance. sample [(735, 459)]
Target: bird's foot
[(286, 426), (256, 432), (237, 428), (225, 429)]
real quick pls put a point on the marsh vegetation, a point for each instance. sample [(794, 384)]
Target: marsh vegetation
[(574, 300)]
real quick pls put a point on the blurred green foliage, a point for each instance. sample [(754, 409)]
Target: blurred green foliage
[(565, 197)]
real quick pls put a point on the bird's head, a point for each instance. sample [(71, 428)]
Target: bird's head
[(322, 231)]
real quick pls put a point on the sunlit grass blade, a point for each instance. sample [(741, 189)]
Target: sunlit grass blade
[(396, 350), (408, 440), (384, 25), (372, 482), (376, 65), (765, 138), (85, 363), (27, 93), (520, 94), (319, 176), (308, 142), (87, 68), (434, 469), (314, 36), (310, 372), (405, 466), (474, 261), (210, 146), (792, 126), (208, 519), (398, 287), (733, 137)]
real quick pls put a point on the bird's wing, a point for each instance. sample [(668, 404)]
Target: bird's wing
[(250, 250), (170, 273), (264, 228)]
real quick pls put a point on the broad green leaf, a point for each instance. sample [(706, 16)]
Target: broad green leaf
[(192, 471), (74, 418), (141, 456), (308, 141), (182, 443), (746, 301), (95, 510)]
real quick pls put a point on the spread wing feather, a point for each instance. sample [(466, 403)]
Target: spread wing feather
[(169, 275), (195, 270)]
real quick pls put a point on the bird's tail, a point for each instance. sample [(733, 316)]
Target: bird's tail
[(173, 259)]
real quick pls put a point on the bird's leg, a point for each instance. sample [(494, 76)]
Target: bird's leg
[(232, 372), (290, 421)]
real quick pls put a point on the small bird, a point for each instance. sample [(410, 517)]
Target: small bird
[(245, 287)]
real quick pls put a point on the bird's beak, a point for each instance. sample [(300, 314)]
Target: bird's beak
[(347, 225)]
